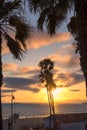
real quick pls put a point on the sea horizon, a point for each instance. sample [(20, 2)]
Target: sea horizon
[(41, 109), (44, 102)]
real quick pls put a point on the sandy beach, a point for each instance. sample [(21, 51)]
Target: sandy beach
[(68, 122)]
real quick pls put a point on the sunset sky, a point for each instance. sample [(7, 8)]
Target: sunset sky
[(21, 77)]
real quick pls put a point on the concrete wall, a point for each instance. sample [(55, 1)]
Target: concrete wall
[(74, 126)]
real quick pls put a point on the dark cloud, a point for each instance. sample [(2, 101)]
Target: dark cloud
[(75, 90), (7, 91), (77, 78), (21, 83), (36, 77), (62, 85), (70, 78)]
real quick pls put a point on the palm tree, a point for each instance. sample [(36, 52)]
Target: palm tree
[(10, 21), (52, 13), (46, 77)]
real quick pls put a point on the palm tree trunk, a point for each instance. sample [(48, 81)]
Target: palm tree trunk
[(48, 93), (81, 15), (49, 101), (86, 87), (1, 126)]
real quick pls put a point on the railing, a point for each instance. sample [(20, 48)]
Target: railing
[(38, 116)]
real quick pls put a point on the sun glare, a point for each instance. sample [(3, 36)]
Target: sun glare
[(57, 91)]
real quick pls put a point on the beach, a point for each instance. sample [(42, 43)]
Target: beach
[(75, 121)]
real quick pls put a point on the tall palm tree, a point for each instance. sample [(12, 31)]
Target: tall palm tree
[(46, 77), (10, 21), (52, 13)]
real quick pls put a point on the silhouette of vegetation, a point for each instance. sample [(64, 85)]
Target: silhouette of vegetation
[(10, 21), (46, 77)]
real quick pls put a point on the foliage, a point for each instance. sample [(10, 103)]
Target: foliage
[(11, 23), (9, 20), (46, 75), (51, 13)]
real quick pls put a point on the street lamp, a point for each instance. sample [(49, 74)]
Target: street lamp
[(10, 122)]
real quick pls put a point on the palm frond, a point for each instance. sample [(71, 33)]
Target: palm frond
[(46, 64), (12, 5), (52, 19), (8, 7), (14, 47), (14, 20), (53, 22), (23, 31), (33, 4), (41, 77), (53, 15), (42, 18), (63, 7), (40, 5), (46, 75)]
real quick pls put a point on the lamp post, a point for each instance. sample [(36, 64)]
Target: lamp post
[(10, 120), (12, 98)]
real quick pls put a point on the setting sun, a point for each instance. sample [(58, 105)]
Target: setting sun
[(57, 91)]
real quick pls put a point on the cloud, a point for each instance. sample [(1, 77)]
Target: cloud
[(27, 72), (8, 91), (16, 70), (9, 66), (75, 90), (66, 79), (21, 83), (70, 79), (40, 39), (65, 57)]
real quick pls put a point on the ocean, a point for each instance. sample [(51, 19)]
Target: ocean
[(33, 109)]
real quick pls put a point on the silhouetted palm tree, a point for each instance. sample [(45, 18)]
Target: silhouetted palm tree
[(10, 21), (46, 77), (52, 13)]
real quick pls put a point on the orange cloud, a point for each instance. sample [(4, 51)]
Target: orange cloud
[(65, 57), (9, 66), (42, 39)]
